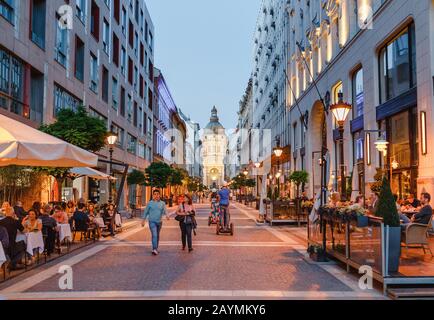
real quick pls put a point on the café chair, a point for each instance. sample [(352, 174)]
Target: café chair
[(416, 236)]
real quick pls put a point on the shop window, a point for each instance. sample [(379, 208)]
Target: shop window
[(398, 65)]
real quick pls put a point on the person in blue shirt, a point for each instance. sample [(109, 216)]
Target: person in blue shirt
[(154, 212), (223, 197)]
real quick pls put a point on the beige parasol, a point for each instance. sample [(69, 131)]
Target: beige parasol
[(23, 145)]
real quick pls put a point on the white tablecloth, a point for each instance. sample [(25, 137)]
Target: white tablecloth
[(33, 240), (64, 232), (118, 220), (100, 222), (2, 255)]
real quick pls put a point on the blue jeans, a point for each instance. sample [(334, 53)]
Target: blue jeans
[(155, 228), (405, 221)]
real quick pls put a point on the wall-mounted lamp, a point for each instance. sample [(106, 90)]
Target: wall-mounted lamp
[(368, 149), (423, 132)]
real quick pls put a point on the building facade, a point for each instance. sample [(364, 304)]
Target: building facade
[(193, 163), (377, 54), (62, 54), (214, 151)]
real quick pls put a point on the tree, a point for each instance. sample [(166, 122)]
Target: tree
[(299, 178), (79, 129), (157, 175), (136, 177), (377, 185), (387, 206), (177, 177)]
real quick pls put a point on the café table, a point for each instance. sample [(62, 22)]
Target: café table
[(100, 222), (64, 232), (118, 220), (2, 255), (33, 240)]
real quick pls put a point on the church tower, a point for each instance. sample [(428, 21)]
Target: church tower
[(214, 146)]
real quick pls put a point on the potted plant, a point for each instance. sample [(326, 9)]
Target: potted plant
[(358, 213), (388, 211), (317, 253)]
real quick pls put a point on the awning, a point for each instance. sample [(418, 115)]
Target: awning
[(23, 145), (91, 173)]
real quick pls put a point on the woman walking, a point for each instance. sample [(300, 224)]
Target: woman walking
[(187, 222)]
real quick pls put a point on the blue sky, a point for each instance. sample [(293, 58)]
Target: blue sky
[(204, 49)]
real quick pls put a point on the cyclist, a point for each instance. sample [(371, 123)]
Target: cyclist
[(223, 197)]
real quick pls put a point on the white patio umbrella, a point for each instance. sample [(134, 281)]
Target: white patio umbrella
[(23, 145), (91, 173)]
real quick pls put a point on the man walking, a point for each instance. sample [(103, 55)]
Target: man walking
[(154, 212)]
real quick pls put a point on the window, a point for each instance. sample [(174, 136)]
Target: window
[(131, 34), (358, 146), (136, 43), (151, 41), (12, 84), (94, 21), (123, 60), (358, 94), (122, 111), (80, 6), (141, 87), (60, 49), (93, 73), (115, 94), (120, 132), (96, 114), (142, 18), (130, 110), (149, 154), (7, 10), (146, 31), (116, 10), (136, 80), (106, 37), (136, 11), (135, 114), (105, 84), (124, 21), (150, 95), (141, 151), (142, 54), (79, 59), (115, 53), (398, 65), (37, 27), (130, 70), (151, 71), (64, 100), (149, 126), (132, 144)]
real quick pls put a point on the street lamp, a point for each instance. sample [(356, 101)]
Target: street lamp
[(257, 166), (340, 111), (245, 172), (381, 145), (278, 151), (112, 138)]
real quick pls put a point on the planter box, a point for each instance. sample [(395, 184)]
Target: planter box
[(394, 235), (362, 221), (318, 257)]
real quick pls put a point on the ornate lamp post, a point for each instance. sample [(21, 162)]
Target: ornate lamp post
[(340, 111), (111, 141), (278, 151)]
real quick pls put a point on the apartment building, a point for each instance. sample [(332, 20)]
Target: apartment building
[(97, 53)]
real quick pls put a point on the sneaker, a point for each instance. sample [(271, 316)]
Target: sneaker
[(190, 250), (183, 248), (154, 252)]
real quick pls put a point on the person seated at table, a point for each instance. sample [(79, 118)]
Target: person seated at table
[(31, 223), (49, 225), (360, 200), (109, 219), (59, 215), (16, 249), (335, 198), (19, 210), (423, 216), (92, 214), (412, 201), (37, 207), (4, 238), (81, 220), (6, 206), (70, 209)]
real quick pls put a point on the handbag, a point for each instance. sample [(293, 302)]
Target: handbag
[(179, 218)]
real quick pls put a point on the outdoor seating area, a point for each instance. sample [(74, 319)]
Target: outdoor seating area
[(357, 237), (36, 236)]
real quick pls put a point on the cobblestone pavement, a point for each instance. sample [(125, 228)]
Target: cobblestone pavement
[(257, 262)]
